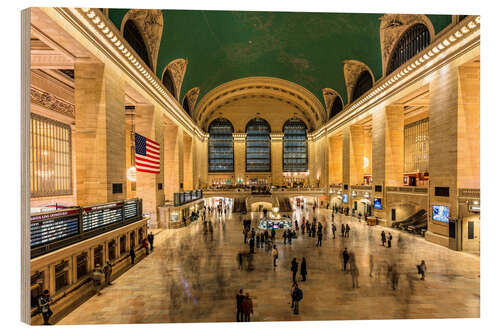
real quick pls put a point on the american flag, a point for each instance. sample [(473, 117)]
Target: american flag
[(147, 154)]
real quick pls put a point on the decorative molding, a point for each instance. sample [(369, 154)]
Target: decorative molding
[(91, 25), (150, 24), (192, 97), (52, 102), (457, 41), (308, 106), (352, 70), (393, 26), (177, 70), (329, 96)]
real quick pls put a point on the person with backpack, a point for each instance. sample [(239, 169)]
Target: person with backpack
[(297, 296), (44, 305)]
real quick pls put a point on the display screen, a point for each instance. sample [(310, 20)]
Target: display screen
[(130, 209), (47, 228), (377, 203), (345, 198), (441, 213), (98, 216)]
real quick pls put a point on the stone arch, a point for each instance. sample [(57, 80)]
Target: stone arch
[(150, 24), (191, 97), (352, 71), (176, 69), (329, 96), (392, 28)]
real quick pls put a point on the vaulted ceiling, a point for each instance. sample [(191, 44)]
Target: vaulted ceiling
[(308, 49)]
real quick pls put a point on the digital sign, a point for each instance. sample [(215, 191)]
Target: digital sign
[(377, 203), (47, 228), (98, 216), (130, 208), (345, 198), (441, 213)]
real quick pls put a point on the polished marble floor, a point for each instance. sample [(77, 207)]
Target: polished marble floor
[(191, 278)]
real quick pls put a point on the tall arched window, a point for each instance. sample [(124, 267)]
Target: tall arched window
[(336, 106), (295, 146), (414, 40), (220, 146), (168, 82), (133, 36), (258, 151), (363, 84)]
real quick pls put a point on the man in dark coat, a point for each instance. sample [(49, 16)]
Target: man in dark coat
[(334, 229), (294, 269), (389, 240), (239, 309), (303, 269), (320, 238), (132, 254), (345, 256), (342, 229), (252, 244), (382, 235), (347, 229)]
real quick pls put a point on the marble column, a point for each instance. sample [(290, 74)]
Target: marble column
[(276, 158)]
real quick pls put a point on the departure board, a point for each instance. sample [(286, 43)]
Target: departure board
[(47, 228), (98, 216), (130, 208)]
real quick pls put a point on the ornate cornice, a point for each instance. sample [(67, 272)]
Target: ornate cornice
[(329, 96), (392, 26), (448, 46), (177, 70), (150, 23), (52, 102), (102, 34), (352, 70)]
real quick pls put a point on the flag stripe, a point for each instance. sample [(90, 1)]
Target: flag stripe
[(147, 154)]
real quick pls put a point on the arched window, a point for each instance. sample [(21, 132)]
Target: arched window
[(185, 106), (168, 82), (336, 107), (414, 40), (258, 151), (220, 146), (133, 36), (363, 84), (295, 146)]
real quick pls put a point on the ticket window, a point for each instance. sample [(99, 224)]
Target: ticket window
[(81, 265), (37, 287), (62, 275), (98, 256), (132, 240), (123, 240)]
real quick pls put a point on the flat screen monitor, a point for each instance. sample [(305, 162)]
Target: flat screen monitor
[(441, 213), (377, 203), (345, 198)]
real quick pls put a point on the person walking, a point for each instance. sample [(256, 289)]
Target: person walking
[(262, 239), (240, 260), (44, 306), (245, 234), (275, 255), (389, 240), (347, 229), (394, 275), (294, 269), (297, 296), (382, 236), (151, 238), (239, 305), (247, 307), (342, 229), (421, 270), (303, 269), (273, 235), (108, 269), (145, 245), (290, 234), (302, 227), (320, 238), (132, 254), (354, 274), (211, 230), (334, 229), (371, 265), (257, 240), (345, 256), (97, 277), (285, 235), (252, 244)]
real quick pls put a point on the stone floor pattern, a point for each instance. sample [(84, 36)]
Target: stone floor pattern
[(191, 278)]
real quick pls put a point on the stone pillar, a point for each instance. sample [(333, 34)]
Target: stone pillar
[(149, 123), (276, 158), (367, 169), (171, 160), (335, 159), (443, 147), (188, 162), (387, 154), (357, 149), (99, 133), (239, 155), (346, 165)]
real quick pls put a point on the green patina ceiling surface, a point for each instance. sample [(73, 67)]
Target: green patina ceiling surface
[(306, 48)]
